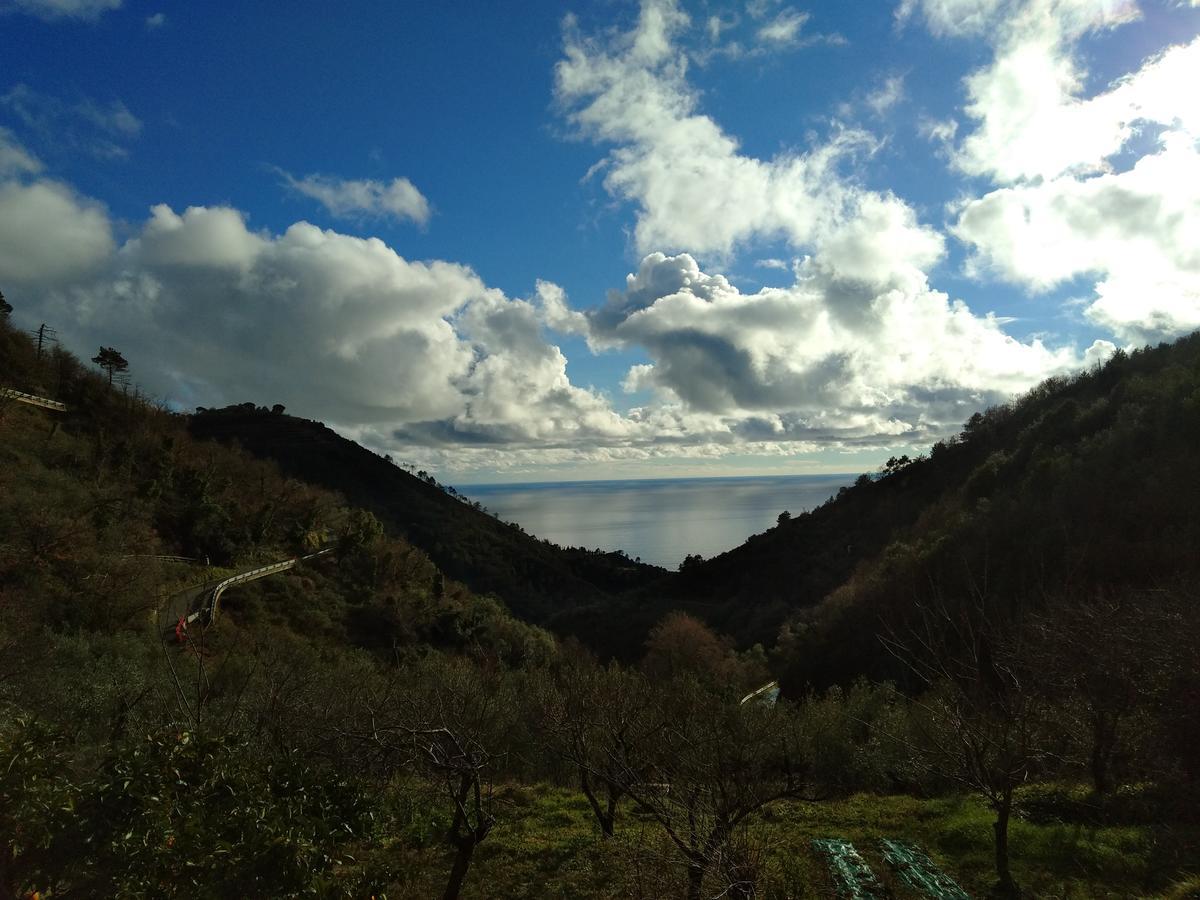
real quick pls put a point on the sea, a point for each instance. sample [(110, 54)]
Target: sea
[(659, 521)]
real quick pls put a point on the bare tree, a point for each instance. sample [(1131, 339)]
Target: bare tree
[(979, 722), (1103, 660), (447, 721), (681, 644), (601, 721), (716, 765)]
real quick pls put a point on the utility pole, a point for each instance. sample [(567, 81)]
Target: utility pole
[(44, 336)]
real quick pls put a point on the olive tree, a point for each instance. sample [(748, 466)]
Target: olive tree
[(713, 767), (980, 721), (448, 722), (602, 721)]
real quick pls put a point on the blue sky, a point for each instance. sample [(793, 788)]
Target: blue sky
[(604, 239)]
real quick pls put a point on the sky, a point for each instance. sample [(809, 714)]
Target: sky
[(608, 239)]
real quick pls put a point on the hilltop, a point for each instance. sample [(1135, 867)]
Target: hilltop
[(534, 577)]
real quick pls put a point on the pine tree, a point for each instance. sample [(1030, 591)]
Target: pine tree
[(110, 360)]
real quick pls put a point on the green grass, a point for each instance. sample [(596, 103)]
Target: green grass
[(1051, 860), (548, 845)]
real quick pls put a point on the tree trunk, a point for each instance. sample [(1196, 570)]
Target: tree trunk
[(458, 873), (604, 818), (608, 823), (1005, 886), (695, 881), (1099, 771), (8, 888), (1103, 738)]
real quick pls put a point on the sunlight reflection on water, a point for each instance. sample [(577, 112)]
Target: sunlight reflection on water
[(660, 520)]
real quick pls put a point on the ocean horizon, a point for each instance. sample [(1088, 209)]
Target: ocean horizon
[(659, 520)]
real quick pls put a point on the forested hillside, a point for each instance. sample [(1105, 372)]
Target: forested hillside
[(535, 578), (1086, 484), (1085, 488), (94, 495)]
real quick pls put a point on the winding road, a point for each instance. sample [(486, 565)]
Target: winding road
[(198, 601), (202, 601)]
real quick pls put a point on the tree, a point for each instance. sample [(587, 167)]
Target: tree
[(784, 516), (1120, 667), (111, 361), (715, 765), (600, 721), (682, 644), (358, 547), (449, 722), (1103, 661), (5, 307), (980, 722)]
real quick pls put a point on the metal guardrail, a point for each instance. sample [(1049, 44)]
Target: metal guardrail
[(214, 598), (164, 558), (768, 694), (33, 399)]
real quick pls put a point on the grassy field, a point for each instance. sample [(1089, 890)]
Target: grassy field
[(549, 846)]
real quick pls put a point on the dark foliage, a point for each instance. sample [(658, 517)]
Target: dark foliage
[(1085, 483), (533, 577)]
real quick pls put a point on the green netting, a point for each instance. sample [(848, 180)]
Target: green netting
[(919, 872), (852, 877)]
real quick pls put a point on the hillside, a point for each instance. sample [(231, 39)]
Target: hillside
[(1013, 496), (1085, 483), (535, 578), (91, 498)]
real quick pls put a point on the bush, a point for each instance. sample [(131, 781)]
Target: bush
[(855, 738), (174, 814)]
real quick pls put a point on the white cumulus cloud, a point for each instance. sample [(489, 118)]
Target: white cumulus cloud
[(1034, 123), (210, 311), (1100, 186), (693, 188), (49, 234), (14, 158), (346, 198), (826, 358), (1134, 230), (859, 348)]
